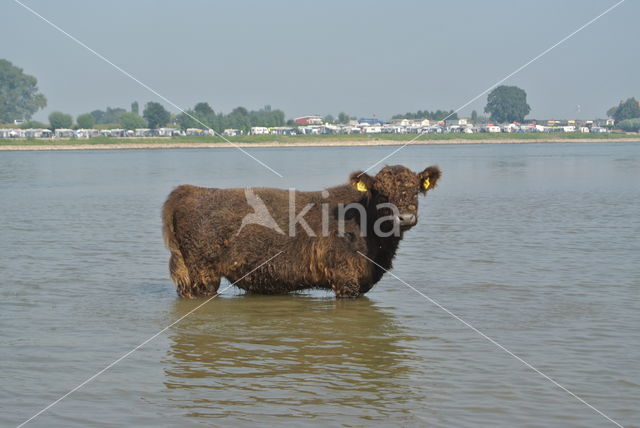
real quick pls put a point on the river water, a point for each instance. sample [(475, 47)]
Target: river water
[(535, 246)]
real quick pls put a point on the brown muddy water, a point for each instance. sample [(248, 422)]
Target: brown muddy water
[(537, 246)]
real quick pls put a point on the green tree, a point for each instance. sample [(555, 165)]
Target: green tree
[(135, 108), (203, 109), (238, 119), (156, 115), (202, 115), (108, 116), (431, 115), (131, 120), (59, 120), (507, 104), (474, 116), (628, 109), (343, 117), (329, 119), (629, 125), (19, 96), (32, 124), (240, 111), (205, 116), (185, 120), (85, 121), (97, 116)]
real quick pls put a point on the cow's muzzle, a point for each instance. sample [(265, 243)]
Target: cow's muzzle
[(406, 220)]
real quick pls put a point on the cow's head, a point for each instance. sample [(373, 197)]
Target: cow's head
[(398, 186)]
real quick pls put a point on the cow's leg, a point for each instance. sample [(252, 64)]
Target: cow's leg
[(348, 289), (347, 272), (203, 287), (202, 282), (208, 284), (179, 273)]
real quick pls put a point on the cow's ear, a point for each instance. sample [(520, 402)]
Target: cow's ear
[(429, 178), (361, 181)]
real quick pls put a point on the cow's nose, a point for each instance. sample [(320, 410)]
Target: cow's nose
[(407, 219)]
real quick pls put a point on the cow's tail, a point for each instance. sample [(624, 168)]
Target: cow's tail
[(177, 267)]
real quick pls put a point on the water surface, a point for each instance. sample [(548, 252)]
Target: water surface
[(537, 246)]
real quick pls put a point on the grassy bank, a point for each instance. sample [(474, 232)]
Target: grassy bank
[(304, 140)]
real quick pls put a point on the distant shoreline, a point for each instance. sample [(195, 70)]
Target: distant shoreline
[(156, 143)]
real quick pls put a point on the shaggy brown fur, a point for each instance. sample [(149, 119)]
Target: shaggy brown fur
[(202, 229)]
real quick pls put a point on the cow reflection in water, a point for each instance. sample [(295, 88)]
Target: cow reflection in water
[(279, 358)]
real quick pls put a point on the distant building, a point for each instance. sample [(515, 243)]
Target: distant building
[(37, 133), (311, 130), (461, 122), (401, 122), (372, 121), (282, 130), (86, 133), (394, 129), (231, 132), (259, 130), (512, 127), (119, 133), (376, 129), (166, 132), (308, 120), (191, 132), (63, 133)]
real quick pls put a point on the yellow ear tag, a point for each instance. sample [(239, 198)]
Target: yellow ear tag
[(361, 187), (425, 183)]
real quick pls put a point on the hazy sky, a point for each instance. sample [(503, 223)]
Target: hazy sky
[(319, 57)]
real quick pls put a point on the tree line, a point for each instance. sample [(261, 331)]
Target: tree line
[(504, 103), (507, 104), (155, 116), (203, 116), (20, 98), (436, 115)]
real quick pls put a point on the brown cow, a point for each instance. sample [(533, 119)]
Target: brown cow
[(323, 236)]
